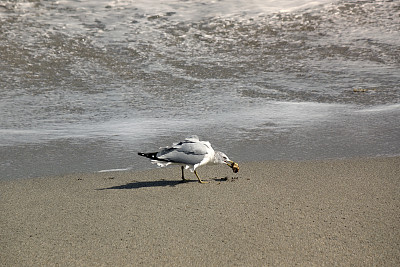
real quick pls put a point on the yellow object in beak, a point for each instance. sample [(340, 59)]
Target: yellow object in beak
[(233, 165)]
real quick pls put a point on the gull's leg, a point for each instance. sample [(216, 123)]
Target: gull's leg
[(200, 181), (183, 176)]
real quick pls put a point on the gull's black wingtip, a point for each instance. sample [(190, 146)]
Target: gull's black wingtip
[(148, 155)]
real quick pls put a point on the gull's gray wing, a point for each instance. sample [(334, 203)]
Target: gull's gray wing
[(188, 152)]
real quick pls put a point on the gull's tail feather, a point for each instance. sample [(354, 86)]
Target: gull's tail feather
[(155, 159)]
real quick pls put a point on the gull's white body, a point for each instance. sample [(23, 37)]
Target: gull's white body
[(190, 153)]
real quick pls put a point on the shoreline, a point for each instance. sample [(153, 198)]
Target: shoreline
[(328, 212)]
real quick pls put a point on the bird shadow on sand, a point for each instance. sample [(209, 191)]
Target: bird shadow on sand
[(158, 183)]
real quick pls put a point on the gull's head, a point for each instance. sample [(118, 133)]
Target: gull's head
[(223, 159)]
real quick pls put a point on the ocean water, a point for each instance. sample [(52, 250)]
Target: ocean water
[(85, 85)]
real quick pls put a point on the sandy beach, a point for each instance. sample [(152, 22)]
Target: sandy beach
[(278, 213)]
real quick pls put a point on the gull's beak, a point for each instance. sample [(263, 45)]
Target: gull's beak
[(233, 165)]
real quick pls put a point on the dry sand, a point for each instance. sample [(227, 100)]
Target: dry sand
[(334, 212)]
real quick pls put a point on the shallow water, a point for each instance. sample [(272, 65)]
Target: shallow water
[(86, 85)]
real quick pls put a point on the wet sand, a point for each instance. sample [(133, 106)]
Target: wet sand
[(313, 213)]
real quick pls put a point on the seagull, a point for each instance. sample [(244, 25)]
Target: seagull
[(190, 153)]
